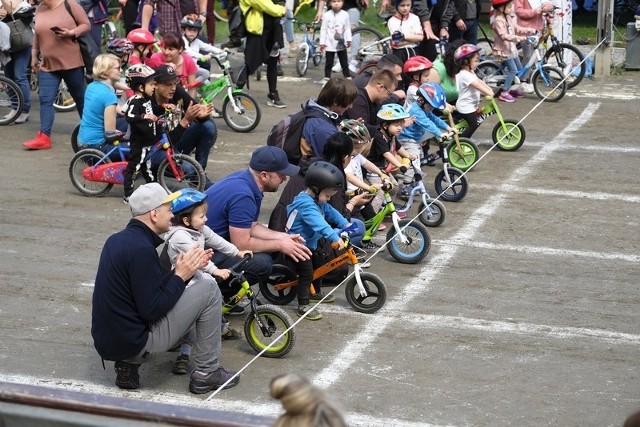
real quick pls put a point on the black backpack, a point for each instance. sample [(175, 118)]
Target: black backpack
[(287, 133)]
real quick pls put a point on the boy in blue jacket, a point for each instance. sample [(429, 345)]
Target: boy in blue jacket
[(310, 216)]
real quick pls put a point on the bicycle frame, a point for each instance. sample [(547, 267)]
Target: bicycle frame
[(486, 111), (371, 50), (388, 208), (211, 90)]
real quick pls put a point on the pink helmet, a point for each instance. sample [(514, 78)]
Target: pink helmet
[(415, 64), (465, 51)]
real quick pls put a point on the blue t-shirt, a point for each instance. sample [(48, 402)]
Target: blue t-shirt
[(233, 202), (97, 97)]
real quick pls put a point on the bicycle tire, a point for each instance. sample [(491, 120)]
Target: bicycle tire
[(365, 39), (417, 246), (279, 274), (577, 57), (464, 158), (376, 293), (194, 176), (433, 216), (486, 70), (277, 321), (75, 145), (486, 44), (80, 161), (302, 59), (10, 92), (64, 102), (549, 93), (219, 17), (317, 58), (511, 139), (247, 119), (457, 191)]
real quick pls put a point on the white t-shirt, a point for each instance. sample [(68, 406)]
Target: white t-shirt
[(355, 168), (412, 96), (410, 26), (469, 98)]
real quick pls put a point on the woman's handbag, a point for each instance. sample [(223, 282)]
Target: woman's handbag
[(21, 35), (88, 48)]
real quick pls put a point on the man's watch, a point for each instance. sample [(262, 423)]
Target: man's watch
[(203, 14)]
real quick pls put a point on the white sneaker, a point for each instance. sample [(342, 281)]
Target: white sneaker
[(22, 118), (527, 87), (336, 68), (9, 115), (353, 66), (322, 81)]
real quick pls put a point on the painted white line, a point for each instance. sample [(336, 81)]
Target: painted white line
[(355, 348), (267, 409), (602, 95), (570, 146), (592, 195)]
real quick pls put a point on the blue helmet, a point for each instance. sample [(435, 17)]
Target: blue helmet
[(433, 94), (187, 199), (392, 113)]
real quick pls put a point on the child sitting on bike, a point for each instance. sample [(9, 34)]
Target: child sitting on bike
[(188, 230), (194, 47), (143, 122), (417, 70), (143, 42), (470, 87), (310, 216), (507, 33), (406, 30)]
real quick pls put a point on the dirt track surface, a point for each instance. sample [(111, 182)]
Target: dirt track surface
[(525, 312)]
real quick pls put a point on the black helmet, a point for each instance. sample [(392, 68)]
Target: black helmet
[(321, 175)]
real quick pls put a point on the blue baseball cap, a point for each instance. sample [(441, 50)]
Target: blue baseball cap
[(272, 159)]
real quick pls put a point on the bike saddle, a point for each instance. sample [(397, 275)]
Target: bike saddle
[(112, 136)]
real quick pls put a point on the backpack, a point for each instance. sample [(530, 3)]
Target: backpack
[(287, 134), (237, 29)]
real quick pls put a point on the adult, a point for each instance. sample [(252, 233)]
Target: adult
[(464, 24), (234, 215), (195, 130), (380, 86), (139, 309), (61, 60), (336, 97), (129, 9), (444, 71), (263, 43), (16, 68), (173, 54), (170, 13), (386, 62), (98, 13)]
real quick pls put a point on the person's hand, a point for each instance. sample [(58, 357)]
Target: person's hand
[(241, 254), (222, 273), (319, 15), (65, 32), (188, 263), (400, 94), (452, 130), (192, 112), (323, 47), (444, 33), (205, 110), (361, 199), (347, 45), (151, 117), (3, 12), (409, 121), (339, 244), (413, 157), (35, 65), (294, 248), (461, 25)]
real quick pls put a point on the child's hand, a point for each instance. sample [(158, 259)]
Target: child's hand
[(347, 45), (413, 157), (151, 117), (409, 121), (221, 273), (241, 254), (323, 47), (170, 107), (452, 130), (338, 244)]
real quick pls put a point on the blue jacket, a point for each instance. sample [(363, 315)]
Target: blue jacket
[(132, 292), (318, 128), (312, 220), (425, 121)]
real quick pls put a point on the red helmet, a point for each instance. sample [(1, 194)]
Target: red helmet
[(465, 51), (141, 36), (498, 3), (415, 64)]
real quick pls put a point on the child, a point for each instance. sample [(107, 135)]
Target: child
[(143, 121), (506, 36), (143, 42), (188, 230), (335, 37), (430, 96), (470, 87), (194, 47), (310, 216), (417, 70), (406, 31)]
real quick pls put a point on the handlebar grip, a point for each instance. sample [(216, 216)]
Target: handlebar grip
[(403, 169)]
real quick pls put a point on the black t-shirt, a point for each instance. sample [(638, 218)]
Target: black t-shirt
[(381, 145)]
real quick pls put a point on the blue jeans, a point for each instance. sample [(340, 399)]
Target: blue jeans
[(16, 70), (200, 136), (287, 24), (513, 65), (355, 236), (49, 84)]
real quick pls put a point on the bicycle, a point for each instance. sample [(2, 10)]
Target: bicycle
[(450, 183), (11, 101), (368, 45), (239, 110), (432, 212), (63, 102), (547, 80), (309, 48), (93, 172), (365, 292), (462, 152)]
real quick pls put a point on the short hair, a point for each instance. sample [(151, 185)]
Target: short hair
[(388, 62), (338, 91), (103, 63), (386, 77), (173, 42)]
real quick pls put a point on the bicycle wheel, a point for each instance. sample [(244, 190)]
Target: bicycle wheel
[(317, 57), (74, 139), (248, 116), (63, 101), (85, 159), (366, 46), (434, 215), (302, 60), (487, 69), (416, 247), (549, 87), (376, 293), (509, 137), (220, 15), (192, 174), (275, 321), (466, 156), (279, 274), (11, 101), (567, 57), (486, 44), (458, 189)]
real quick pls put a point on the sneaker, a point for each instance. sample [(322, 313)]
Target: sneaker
[(517, 93), (317, 297), (527, 87), (22, 118), (431, 159), (382, 227), (322, 81), (181, 365), (204, 383), (231, 334), (215, 113), (275, 50), (401, 215), (369, 246), (42, 141), (9, 115), (273, 100), (353, 66), (505, 97), (127, 376), (311, 314), (125, 200), (336, 67)]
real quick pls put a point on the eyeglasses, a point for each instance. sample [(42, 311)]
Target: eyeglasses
[(387, 90)]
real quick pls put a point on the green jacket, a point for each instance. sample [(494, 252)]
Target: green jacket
[(252, 11)]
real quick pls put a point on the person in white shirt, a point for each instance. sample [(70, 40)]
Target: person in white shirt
[(335, 38), (406, 31)]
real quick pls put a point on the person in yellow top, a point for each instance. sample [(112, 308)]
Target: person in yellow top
[(264, 41)]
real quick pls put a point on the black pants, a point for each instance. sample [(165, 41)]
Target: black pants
[(305, 276), (330, 58), (472, 119), (136, 165)]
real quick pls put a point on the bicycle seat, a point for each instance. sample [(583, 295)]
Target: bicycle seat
[(112, 136)]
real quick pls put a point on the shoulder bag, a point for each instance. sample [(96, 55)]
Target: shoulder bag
[(21, 35), (88, 48)]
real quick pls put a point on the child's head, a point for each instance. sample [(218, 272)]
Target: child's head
[(143, 42), (190, 209), (503, 6), (391, 118), (323, 180), (139, 78), (107, 67), (172, 47), (403, 7), (359, 134), (121, 48), (431, 96), (191, 26), (336, 5), (467, 56), (417, 68)]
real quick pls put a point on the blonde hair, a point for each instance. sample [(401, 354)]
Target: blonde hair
[(305, 405), (103, 63)]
